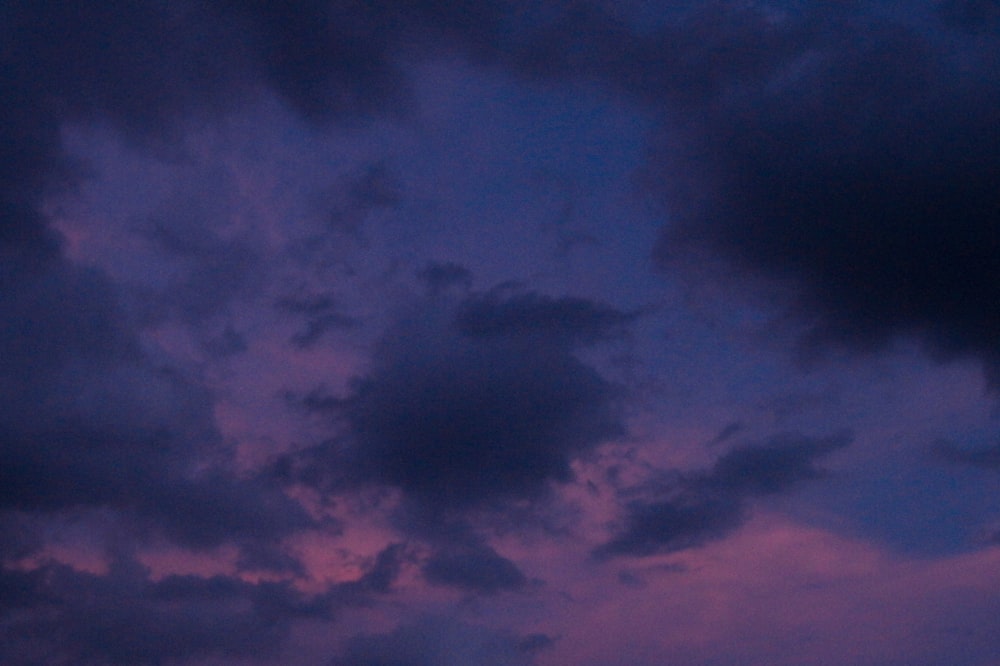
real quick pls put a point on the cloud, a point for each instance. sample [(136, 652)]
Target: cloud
[(861, 168), (687, 511), (501, 313), (91, 421), (843, 150), (324, 60), (536, 643), (380, 577), (57, 614), (475, 402), (474, 568), (777, 465), (439, 642), (881, 218)]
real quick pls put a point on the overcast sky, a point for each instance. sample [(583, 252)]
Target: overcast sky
[(554, 333)]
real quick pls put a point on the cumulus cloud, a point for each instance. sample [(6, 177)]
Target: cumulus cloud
[(475, 402), (688, 510)]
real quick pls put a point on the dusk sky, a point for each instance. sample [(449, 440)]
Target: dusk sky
[(551, 333)]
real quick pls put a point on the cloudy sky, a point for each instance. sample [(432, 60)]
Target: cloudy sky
[(506, 332)]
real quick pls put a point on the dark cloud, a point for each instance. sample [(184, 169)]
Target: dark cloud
[(136, 65), (474, 568), (773, 467), (56, 614), (51, 470), (89, 420), (242, 511), (515, 314), (855, 158), (694, 55), (457, 418), (686, 521), (536, 642), (56, 313), (325, 58), (383, 573), (686, 511), (862, 168), (438, 642)]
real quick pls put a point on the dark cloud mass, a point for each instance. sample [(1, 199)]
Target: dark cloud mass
[(478, 402), (688, 510), (524, 315), (864, 170), (90, 421), (475, 568), (55, 614)]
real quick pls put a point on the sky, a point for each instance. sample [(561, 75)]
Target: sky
[(513, 333)]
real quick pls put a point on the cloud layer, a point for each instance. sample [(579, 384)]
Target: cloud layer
[(341, 323)]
